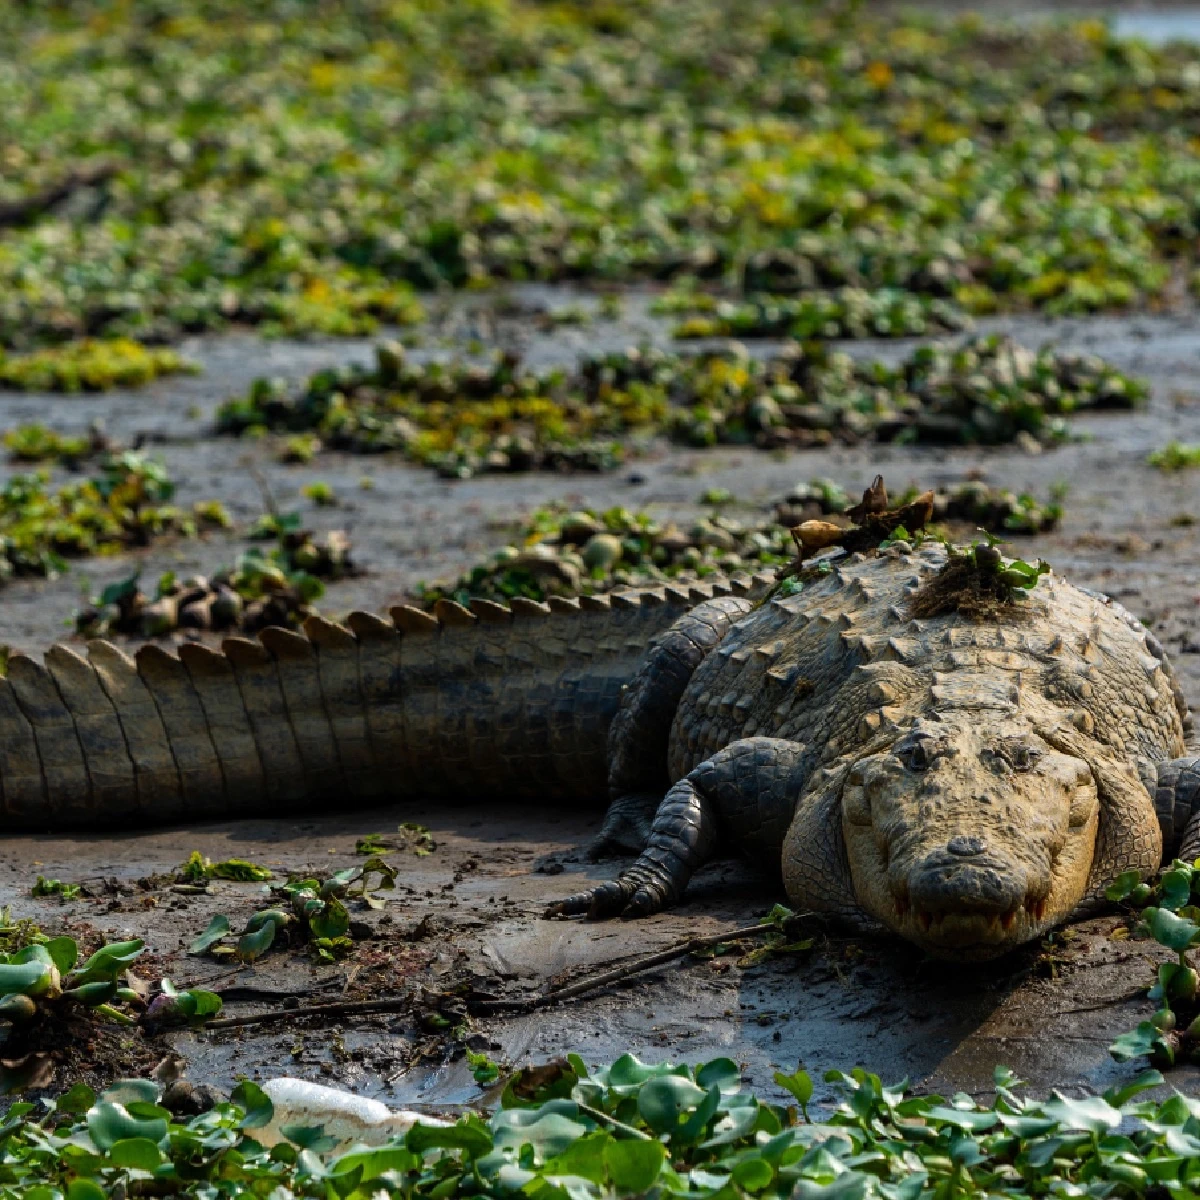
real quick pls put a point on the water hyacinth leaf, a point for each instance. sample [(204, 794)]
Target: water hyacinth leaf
[(753, 1174), (139, 1153), (64, 953), (662, 1101), (1175, 889), (217, 928), (632, 1165), (77, 1099), (1093, 1113), (799, 1084), (255, 944), (975, 1122), (18, 1007), (1143, 1082), (1146, 1040), (694, 1127), (309, 1137), (470, 1135), (94, 994), (548, 1133), (628, 1073), (721, 1073), (239, 869), (255, 1102), (1169, 930), (27, 978), (109, 1123), (81, 1189), (1123, 885), (332, 921), (108, 962), (131, 1092)]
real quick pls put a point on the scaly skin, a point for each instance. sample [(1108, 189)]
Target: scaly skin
[(492, 701), (965, 783)]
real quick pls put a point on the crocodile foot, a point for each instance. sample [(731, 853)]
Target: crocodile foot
[(638, 893), (626, 827)]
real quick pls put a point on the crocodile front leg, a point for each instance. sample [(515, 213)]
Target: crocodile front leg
[(751, 787), (1177, 802), (638, 739)]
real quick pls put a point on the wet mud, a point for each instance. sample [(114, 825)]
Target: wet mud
[(471, 910)]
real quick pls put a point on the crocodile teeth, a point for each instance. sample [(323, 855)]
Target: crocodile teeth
[(1009, 918), (1036, 908)]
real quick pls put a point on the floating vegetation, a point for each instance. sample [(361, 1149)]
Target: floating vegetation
[(585, 552), (303, 174), (310, 911), (624, 1130), (275, 586), (36, 443), (563, 553), (1167, 913), (126, 504), (90, 365), (44, 980), (1175, 456), (843, 313), (462, 419)]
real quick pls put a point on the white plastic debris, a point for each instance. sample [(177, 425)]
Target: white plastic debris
[(342, 1115)]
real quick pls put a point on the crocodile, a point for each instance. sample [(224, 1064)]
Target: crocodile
[(966, 783)]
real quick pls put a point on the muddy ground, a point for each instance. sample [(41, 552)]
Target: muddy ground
[(469, 913)]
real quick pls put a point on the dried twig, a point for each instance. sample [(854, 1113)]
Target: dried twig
[(528, 1004), (625, 971), (343, 1008)]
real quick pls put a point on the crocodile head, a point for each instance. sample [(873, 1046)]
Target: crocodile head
[(970, 834)]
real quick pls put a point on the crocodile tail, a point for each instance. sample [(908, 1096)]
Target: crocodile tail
[(485, 701)]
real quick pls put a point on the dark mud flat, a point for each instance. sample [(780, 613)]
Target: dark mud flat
[(471, 910)]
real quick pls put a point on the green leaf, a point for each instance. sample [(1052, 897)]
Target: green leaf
[(664, 1100), (547, 1133), (799, 1084), (139, 1153), (1145, 1040), (721, 1073), (255, 944), (108, 962), (64, 952), (1124, 883), (332, 921), (633, 1166), (84, 1189), (1120, 1096), (469, 1135), (1169, 930), (218, 927), (1092, 1113), (239, 869), (753, 1174), (78, 1099), (254, 1102), (1176, 888), (93, 994), (109, 1123)]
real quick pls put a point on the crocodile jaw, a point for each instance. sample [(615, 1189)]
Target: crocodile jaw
[(958, 850)]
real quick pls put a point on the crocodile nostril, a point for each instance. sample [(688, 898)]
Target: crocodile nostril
[(966, 846)]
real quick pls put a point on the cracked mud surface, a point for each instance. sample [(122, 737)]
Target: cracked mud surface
[(470, 911)]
